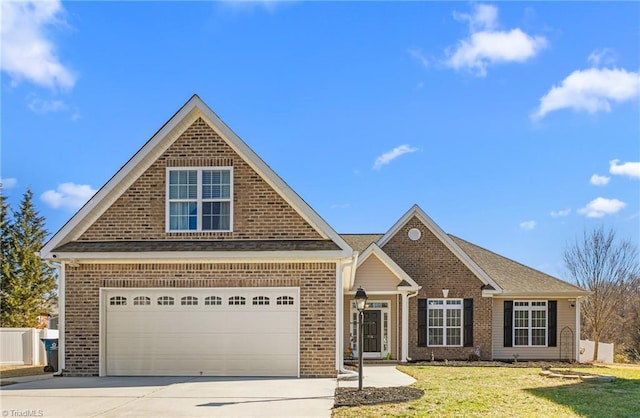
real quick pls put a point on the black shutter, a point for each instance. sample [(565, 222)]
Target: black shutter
[(508, 323), (468, 323), (422, 323), (552, 328)]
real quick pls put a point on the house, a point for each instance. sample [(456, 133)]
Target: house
[(196, 258)]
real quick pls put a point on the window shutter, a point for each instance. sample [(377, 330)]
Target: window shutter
[(552, 325), (468, 323), (508, 323), (422, 323)]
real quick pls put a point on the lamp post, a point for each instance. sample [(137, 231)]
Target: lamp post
[(361, 304)]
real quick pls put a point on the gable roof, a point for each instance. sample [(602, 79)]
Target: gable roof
[(359, 242), (514, 278), (373, 250), (490, 286), (193, 109)]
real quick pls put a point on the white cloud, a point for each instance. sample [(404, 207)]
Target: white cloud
[(602, 56), (417, 54), (599, 207), (597, 180), (26, 51), (387, 157), (8, 182), (47, 106), (592, 90), (68, 196), (528, 225), (488, 46), (560, 213), (631, 169)]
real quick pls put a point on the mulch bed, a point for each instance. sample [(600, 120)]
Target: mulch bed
[(374, 396)]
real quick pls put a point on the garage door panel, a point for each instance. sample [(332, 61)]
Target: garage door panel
[(208, 340)]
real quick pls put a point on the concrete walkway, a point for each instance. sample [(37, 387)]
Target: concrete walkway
[(379, 376)]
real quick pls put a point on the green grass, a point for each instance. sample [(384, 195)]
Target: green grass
[(511, 392)]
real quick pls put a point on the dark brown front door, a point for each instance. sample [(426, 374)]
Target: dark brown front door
[(371, 333)]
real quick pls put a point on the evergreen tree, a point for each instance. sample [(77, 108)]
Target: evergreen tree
[(6, 266), (28, 283)]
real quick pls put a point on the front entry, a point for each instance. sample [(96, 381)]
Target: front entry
[(372, 337)]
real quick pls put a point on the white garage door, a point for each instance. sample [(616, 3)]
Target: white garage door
[(201, 332)]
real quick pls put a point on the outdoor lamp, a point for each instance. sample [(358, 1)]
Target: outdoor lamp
[(361, 304)]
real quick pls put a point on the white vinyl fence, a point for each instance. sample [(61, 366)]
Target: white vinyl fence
[(605, 352), (22, 346)]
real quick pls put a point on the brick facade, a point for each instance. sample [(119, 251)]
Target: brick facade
[(434, 267), (317, 303), (259, 212)]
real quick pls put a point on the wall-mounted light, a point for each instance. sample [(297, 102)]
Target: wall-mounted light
[(445, 293), (572, 302)]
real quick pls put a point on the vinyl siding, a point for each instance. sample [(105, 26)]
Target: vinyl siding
[(373, 275), (566, 318)]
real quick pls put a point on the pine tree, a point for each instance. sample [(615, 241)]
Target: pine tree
[(6, 266), (28, 283)]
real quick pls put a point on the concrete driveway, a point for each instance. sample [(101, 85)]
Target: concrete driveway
[(168, 397)]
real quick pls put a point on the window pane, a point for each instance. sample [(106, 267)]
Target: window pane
[(521, 319), (183, 184), (538, 337), (538, 319), (216, 216), (216, 184), (182, 216), (436, 336), (454, 317), (521, 337), (436, 318), (453, 336)]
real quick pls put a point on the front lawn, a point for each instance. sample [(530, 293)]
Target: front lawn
[(511, 391)]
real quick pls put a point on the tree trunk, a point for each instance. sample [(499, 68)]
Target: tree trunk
[(596, 344)]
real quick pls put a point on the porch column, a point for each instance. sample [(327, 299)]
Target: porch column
[(404, 352), (577, 336)]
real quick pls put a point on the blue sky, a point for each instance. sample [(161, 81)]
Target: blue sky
[(514, 125)]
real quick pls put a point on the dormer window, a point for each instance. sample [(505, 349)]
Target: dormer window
[(200, 199)]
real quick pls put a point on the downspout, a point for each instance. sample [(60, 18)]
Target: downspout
[(344, 373), (409, 295), (61, 313)]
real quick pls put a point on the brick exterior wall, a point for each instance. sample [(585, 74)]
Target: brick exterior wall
[(317, 303), (434, 267), (258, 211)]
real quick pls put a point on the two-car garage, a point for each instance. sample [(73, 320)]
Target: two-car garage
[(200, 332)]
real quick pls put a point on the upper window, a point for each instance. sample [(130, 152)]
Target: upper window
[(142, 300), (444, 319), (213, 300), (530, 323), (284, 300), (261, 300), (166, 300), (189, 300), (237, 300), (199, 199)]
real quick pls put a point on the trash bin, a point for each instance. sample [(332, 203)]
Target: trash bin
[(51, 347)]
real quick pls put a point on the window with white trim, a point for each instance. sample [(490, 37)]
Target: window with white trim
[(199, 199), (141, 300), (284, 300), (213, 300), (444, 322), (261, 300), (166, 300), (530, 323), (117, 300), (237, 300), (189, 300)]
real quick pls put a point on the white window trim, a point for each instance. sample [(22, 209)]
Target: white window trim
[(199, 199), (445, 308), (530, 327)]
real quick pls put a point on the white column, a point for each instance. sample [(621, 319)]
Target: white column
[(339, 315), (61, 315), (577, 336), (405, 328)]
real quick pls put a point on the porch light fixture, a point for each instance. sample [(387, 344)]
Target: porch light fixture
[(361, 305), (445, 293)]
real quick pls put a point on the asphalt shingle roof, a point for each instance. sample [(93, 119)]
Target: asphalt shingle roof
[(197, 245), (360, 242), (512, 276)]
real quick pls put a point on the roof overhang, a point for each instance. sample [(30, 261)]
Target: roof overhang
[(373, 250), (542, 295)]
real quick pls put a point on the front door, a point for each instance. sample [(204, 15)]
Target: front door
[(372, 340)]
